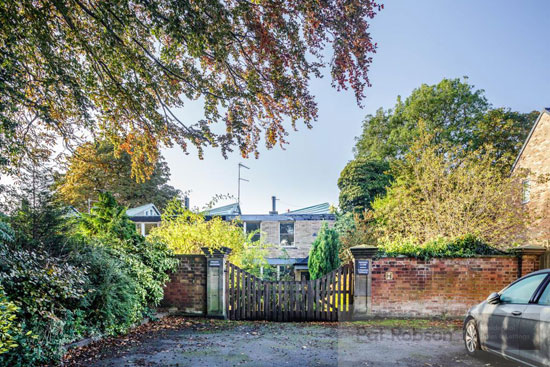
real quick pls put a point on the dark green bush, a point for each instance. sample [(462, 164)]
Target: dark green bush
[(464, 246), (69, 284)]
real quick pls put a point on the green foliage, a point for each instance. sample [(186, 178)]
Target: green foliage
[(463, 246), (95, 168), (360, 182), (323, 256), (442, 191), (108, 227), (9, 328), (120, 69), (112, 303), (460, 115), (355, 229), (99, 278), (186, 232)]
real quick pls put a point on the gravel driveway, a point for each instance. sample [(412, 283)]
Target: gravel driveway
[(287, 344)]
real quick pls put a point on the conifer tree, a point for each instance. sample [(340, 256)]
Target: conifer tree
[(323, 256)]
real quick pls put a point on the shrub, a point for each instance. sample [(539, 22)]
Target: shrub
[(186, 232), (112, 303), (8, 326), (109, 228), (323, 256), (463, 246)]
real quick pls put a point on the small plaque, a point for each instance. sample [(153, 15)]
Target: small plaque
[(215, 263), (362, 266)]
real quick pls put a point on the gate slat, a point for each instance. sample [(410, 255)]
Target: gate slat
[(267, 303), (231, 312), (303, 300), (324, 298), (334, 291), (338, 286)]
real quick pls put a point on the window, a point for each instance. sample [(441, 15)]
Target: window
[(522, 291), (525, 191), (286, 234), (545, 297), (250, 227)]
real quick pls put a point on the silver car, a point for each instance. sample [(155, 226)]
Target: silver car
[(513, 323)]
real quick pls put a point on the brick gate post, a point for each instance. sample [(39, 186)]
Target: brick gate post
[(529, 259), (362, 295), (215, 281)]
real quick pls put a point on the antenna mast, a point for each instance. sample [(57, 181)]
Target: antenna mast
[(239, 183)]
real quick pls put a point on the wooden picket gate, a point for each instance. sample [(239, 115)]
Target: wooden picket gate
[(329, 298)]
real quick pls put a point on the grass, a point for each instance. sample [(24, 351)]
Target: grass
[(408, 323)]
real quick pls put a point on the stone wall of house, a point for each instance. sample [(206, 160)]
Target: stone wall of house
[(270, 232), (536, 160), (412, 287), (186, 290), (305, 232)]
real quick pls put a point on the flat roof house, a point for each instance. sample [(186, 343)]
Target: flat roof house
[(291, 234)]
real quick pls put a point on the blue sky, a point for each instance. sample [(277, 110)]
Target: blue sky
[(502, 46)]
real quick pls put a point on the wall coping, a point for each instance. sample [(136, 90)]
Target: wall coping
[(447, 258), (189, 255)]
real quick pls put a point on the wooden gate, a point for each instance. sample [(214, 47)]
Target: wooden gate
[(329, 298)]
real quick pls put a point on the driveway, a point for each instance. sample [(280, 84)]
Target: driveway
[(180, 342)]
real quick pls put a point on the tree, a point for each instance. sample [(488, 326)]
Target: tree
[(120, 69), (108, 227), (186, 232), (441, 191), (323, 256), (95, 168), (455, 110), (360, 182), (35, 215)]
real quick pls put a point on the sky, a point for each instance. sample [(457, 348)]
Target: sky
[(502, 46)]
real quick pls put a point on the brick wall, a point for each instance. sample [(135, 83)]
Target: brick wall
[(413, 287), (186, 289)]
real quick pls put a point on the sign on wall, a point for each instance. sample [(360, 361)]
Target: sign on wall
[(362, 267), (215, 263)]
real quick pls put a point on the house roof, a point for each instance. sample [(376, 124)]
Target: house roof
[(546, 110), (231, 209), (132, 212), (323, 208)]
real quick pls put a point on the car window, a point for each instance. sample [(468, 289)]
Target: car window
[(545, 297), (522, 291)]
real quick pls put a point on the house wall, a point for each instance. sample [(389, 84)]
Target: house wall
[(186, 290), (413, 287), (305, 232), (536, 160)]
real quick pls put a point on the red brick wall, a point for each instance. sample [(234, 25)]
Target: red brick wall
[(186, 289), (413, 287)]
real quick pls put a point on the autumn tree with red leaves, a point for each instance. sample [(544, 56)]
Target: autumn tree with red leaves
[(120, 70)]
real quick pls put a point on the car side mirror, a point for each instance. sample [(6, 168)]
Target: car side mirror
[(494, 299)]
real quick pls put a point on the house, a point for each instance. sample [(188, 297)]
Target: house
[(533, 165), (291, 234), (145, 216)]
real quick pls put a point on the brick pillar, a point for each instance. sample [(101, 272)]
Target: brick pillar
[(362, 294), (529, 259), (215, 281)]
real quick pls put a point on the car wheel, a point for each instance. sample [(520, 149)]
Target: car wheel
[(471, 337)]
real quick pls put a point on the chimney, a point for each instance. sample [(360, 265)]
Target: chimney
[(273, 205), (186, 202)]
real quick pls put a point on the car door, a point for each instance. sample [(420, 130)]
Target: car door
[(503, 320), (534, 330)]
